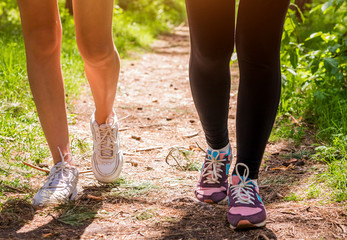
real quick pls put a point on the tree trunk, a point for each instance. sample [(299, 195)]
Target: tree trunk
[(68, 5)]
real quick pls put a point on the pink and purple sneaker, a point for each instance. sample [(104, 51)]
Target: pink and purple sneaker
[(212, 186), (246, 209)]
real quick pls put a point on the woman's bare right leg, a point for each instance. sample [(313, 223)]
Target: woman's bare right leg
[(42, 36)]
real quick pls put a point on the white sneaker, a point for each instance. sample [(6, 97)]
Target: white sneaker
[(60, 185), (107, 159)]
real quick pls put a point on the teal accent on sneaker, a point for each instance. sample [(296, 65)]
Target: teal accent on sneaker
[(246, 209), (259, 198), (213, 182)]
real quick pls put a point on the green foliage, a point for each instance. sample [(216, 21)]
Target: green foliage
[(313, 192), (284, 127), (8, 12), (313, 57), (137, 22), (314, 68), (292, 197)]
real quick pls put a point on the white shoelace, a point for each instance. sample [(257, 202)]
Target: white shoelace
[(213, 168), (59, 172), (243, 191), (107, 140)]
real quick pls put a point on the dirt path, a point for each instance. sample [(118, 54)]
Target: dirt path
[(153, 200)]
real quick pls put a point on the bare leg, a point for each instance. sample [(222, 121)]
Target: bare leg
[(42, 37), (94, 38)]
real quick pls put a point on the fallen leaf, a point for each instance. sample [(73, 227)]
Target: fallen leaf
[(136, 137), (134, 164)]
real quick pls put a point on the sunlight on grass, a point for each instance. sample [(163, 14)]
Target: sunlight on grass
[(145, 215), (292, 197), (127, 188)]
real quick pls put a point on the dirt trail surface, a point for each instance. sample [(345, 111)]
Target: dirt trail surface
[(154, 199)]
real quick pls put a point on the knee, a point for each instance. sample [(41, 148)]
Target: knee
[(97, 54), (44, 42), (260, 53), (213, 58)]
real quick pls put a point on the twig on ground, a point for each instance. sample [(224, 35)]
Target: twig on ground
[(130, 154), (153, 125), (191, 135), (148, 149), (295, 120), (341, 226), (48, 171), (124, 129), (50, 214), (183, 162), (263, 236), (12, 188), (170, 154), (37, 168), (291, 213), (7, 138), (121, 119), (199, 147)]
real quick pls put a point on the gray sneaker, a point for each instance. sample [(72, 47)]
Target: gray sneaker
[(60, 185), (107, 159)]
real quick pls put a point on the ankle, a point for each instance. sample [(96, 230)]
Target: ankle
[(101, 117), (226, 149), (63, 155)]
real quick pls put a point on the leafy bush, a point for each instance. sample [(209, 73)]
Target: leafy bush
[(313, 57), (137, 22), (314, 67)]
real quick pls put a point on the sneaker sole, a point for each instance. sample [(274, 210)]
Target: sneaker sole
[(245, 224), (221, 202)]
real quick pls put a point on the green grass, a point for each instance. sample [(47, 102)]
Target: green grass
[(182, 159), (145, 215), (313, 192), (76, 215), (127, 188), (285, 128), (292, 197)]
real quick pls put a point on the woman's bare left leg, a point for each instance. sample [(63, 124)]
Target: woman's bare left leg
[(94, 38), (93, 20)]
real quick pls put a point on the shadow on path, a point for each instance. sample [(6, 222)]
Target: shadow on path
[(68, 222), (205, 221)]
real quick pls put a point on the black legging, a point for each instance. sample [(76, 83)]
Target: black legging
[(258, 37)]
